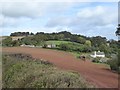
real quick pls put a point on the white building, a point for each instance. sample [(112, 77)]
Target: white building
[(51, 46), (23, 45), (97, 54)]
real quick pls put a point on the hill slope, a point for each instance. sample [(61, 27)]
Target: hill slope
[(100, 75), (23, 71)]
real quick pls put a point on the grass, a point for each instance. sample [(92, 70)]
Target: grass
[(56, 42), (23, 71), (103, 64)]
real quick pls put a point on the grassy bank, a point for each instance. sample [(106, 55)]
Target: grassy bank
[(23, 71)]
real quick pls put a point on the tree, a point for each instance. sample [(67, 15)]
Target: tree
[(45, 45), (118, 30), (114, 62), (31, 33), (88, 43), (7, 41), (105, 49), (64, 47), (98, 40), (20, 34), (15, 43), (66, 34)]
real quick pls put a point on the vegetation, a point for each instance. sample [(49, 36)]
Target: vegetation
[(21, 34), (23, 71), (66, 41), (115, 63), (118, 30), (57, 42), (86, 44), (7, 41), (74, 47)]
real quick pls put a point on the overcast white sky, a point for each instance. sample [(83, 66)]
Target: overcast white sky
[(86, 18)]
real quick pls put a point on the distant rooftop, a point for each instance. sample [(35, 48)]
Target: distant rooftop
[(100, 53)]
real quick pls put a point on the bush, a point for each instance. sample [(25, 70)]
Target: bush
[(64, 47), (45, 46), (7, 41), (113, 62)]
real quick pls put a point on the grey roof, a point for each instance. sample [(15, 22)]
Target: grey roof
[(98, 53)]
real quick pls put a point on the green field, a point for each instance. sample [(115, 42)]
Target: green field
[(56, 42), (22, 71)]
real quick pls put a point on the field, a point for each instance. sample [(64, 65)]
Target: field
[(56, 42), (97, 74)]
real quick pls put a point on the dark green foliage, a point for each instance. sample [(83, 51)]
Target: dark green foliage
[(64, 47), (104, 48), (114, 63), (7, 42), (21, 34), (114, 45), (76, 38), (45, 46), (74, 47), (15, 43), (98, 40), (28, 41), (118, 30), (23, 71)]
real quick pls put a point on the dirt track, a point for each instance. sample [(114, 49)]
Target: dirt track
[(97, 74)]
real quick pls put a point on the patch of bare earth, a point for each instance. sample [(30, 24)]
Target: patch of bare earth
[(97, 74)]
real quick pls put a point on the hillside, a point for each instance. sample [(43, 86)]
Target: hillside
[(23, 71), (87, 44), (97, 74)]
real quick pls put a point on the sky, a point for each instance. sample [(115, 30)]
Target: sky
[(85, 18)]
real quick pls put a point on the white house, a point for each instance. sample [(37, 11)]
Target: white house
[(23, 45), (51, 45), (97, 54)]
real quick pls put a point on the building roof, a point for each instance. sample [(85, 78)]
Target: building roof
[(100, 53)]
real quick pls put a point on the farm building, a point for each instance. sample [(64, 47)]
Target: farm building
[(97, 54), (51, 45), (17, 37), (23, 45)]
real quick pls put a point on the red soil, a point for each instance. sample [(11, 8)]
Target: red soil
[(100, 75)]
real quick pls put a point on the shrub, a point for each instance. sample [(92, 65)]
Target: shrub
[(64, 47), (7, 41), (113, 62), (45, 46)]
